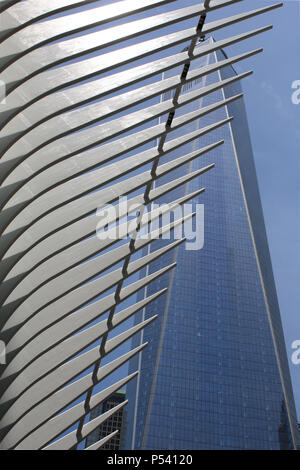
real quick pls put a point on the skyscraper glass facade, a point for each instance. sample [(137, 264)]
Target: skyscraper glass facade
[(215, 373), (117, 422)]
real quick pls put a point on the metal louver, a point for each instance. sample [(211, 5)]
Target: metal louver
[(70, 113)]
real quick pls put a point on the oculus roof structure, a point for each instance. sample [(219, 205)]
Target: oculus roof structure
[(78, 113)]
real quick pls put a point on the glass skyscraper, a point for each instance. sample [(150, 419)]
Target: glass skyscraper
[(215, 374), (117, 422)]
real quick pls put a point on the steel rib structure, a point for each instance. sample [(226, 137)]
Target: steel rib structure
[(74, 127)]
